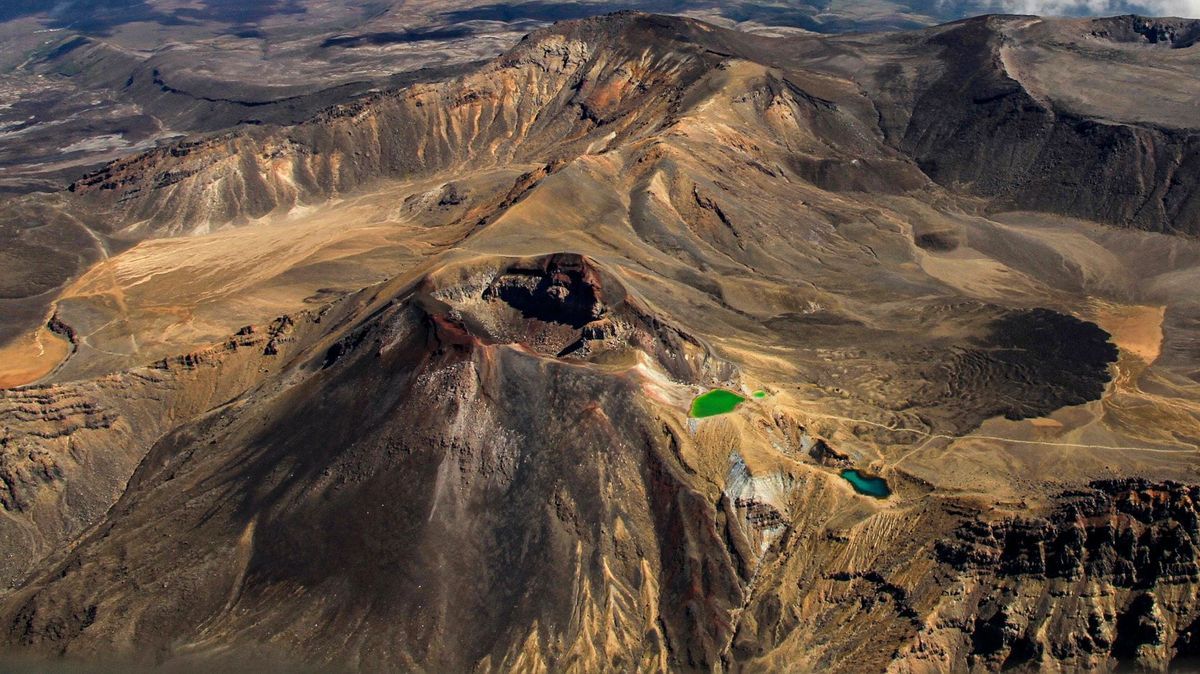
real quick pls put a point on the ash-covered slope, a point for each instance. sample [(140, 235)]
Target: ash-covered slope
[(488, 464), (442, 497), (978, 106), (971, 103)]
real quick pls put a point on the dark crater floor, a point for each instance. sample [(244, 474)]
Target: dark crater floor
[(566, 292), (1030, 363)]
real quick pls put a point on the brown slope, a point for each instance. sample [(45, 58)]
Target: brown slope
[(970, 103), (541, 102), (67, 451), (980, 127), (432, 514), (739, 224)]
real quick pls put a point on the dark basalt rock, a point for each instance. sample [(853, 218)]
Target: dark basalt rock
[(1024, 650), (59, 327), (565, 291), (991, 633), (761, 515), (1187, 645), (23, 471), (452, 195), (882, 588), (1137, 626), (1029, 364), (1070, 355), (1173, 33), (1130, 533), (938, 242), (828, 456)]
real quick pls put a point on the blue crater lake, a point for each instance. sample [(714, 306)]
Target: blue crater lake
[(871, 486)]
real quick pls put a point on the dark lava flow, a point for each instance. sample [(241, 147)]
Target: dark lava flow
[(1030, 363)]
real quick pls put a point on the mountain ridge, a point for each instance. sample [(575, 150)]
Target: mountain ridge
[(484, 458)]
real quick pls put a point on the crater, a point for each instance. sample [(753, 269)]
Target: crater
[(1132, 29), (565, 292), (1028, 364), (565, 306)]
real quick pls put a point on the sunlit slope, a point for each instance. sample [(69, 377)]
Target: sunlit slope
[(486, 459)]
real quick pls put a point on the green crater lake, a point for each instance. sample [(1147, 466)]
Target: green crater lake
[(871, 486), (716, 401), (760, 394)]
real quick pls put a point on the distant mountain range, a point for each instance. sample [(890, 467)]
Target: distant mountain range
[(384, 373)]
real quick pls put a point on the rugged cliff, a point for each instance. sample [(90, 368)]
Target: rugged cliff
[(488, 462)]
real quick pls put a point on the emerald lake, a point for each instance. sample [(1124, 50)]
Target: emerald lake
[(716, 401)]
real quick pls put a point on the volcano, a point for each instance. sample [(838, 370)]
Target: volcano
[(405, 386)]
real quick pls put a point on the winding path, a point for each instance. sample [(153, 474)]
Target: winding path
[(942, 436)]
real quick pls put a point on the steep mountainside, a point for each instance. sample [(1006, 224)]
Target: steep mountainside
[(954, 103), (489, 461), (975, 125)]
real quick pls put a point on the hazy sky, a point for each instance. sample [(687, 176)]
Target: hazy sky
[(99, 15), (1184, 8)]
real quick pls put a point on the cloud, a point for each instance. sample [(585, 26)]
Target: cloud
[(1181, 8)]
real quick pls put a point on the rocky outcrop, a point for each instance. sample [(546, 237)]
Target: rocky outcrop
[(1172, 33), (1127, 550), (822, 453), (1130, 533)]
